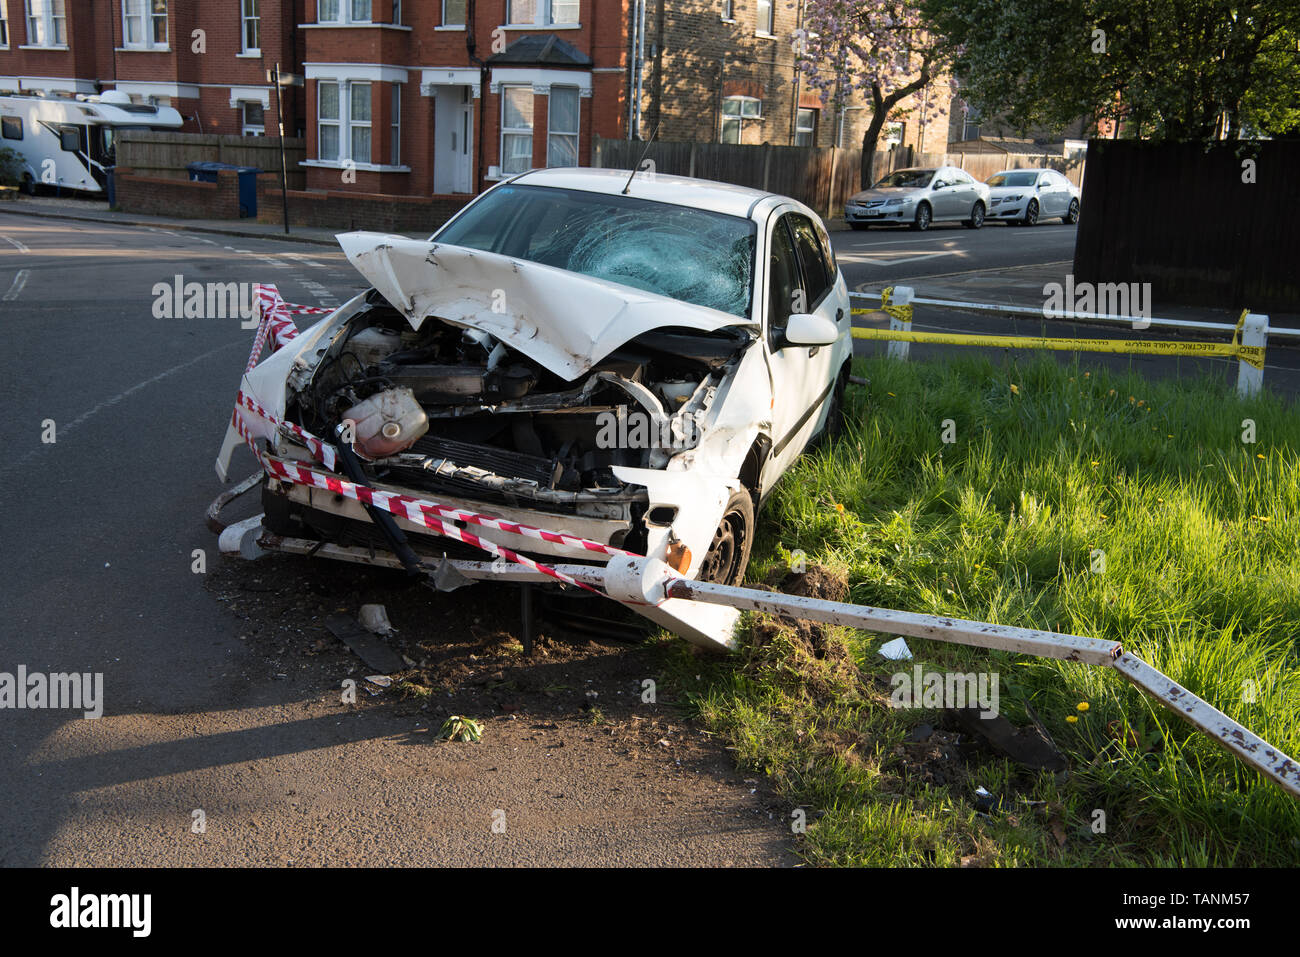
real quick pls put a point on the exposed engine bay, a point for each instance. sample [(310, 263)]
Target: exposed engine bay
[(452, 410)]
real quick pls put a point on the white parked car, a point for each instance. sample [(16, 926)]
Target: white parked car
[(1026, 196), (633, 363), (919, 197)]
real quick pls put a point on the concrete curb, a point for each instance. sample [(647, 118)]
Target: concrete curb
[(169, 224)]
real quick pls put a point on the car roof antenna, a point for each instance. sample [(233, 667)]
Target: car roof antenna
[(636, 169)]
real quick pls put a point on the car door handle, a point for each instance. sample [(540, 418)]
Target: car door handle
[(839, 315)]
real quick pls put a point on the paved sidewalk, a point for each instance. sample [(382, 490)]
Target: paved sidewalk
[(97, 211)]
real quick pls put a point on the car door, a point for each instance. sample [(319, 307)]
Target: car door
[(1049, 196), (798, 275), (963, 195), (941, 195)]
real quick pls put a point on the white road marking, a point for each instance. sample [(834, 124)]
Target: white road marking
[(15, 243), (20, 280), (887, 258), (303, 258)]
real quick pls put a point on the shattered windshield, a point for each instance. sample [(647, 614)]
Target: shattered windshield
[(692, 255)]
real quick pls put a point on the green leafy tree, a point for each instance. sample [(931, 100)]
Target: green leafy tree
[(1186, 70), (10, 167)]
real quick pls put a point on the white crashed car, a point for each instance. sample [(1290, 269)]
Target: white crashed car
[(634, 364)]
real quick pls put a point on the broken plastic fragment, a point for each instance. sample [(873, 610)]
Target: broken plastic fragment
[(896, 650)]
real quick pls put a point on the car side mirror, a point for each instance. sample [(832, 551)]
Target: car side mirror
[(809, 329)]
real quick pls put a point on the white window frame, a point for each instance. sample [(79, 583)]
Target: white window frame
[(4, 25), (395, 126), (43, 22), (445, 24), (147, 20), (552, 133), (515, 130), (543, 15), (729, 10), (246, 128), (740, 116), (245, 18), (335, 121), (768, 30), (346, 10), (810, 130), (355, 124)]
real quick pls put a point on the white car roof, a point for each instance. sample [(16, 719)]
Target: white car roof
[(659, 187)]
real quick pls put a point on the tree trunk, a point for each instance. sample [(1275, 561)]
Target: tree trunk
[(881, 105)]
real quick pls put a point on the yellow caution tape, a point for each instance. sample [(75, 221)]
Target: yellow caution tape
[(1251, 354), (901, 313)]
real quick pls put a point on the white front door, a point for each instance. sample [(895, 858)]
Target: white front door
[(453, 151)]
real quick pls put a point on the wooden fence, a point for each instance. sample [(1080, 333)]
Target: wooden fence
[(152, 153), (1211, 227), (820, 177)]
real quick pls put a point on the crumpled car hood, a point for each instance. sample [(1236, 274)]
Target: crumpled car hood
[(562, 320)]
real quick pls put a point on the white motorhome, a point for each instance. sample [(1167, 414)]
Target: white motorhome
[(70, 142)]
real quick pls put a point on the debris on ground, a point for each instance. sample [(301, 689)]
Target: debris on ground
[(896, 650), (374, 618), (369, 649), (1030, 746), (460, 728)]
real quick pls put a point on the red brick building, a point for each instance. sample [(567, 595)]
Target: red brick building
[(207, 60)]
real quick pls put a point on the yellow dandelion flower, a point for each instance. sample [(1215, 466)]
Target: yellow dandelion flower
[(1015, 390), (1072, 719), (839, 508), (1081, 706), (1258, 456)]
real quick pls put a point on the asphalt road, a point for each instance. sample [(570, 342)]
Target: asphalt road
[(897, 254), (101, 526)]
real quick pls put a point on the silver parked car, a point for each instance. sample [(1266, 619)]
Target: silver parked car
[(919, 197), (1027, 195)]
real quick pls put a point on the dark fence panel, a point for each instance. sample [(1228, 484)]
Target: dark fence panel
[(1180, 217)]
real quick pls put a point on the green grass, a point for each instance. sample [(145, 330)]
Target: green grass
[(1201, 540)]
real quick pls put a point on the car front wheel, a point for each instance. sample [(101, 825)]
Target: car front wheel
[(728, 556), (1072, 216), (976, 216), (1031, 213), (921, 221)]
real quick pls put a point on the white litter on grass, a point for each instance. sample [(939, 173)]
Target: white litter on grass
[(896, 650), (375, 618), (382, 680)]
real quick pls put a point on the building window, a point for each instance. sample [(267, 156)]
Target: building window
[(4, 24), (397, 12), (144, 23), (805, 128), (342, 11), (327, 119), (253, 117), (735, 111), (562, 117), (359, 122), (541, 13), (516, 129), (765, 25), (396, 129), (47, 23), (728, 9), (453, 13), (11, 127), (250, 26)]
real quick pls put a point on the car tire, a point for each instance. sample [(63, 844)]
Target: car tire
[(1072, 216), (921, 221), (728, 555), (860, 226), (976, 216), (1031, 214)]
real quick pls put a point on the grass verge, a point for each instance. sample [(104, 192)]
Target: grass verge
[(1164, 515)]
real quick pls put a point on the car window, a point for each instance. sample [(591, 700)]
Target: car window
[(1011, 179), (817, 275), (692, 255), (783, 281), (908, 178)]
